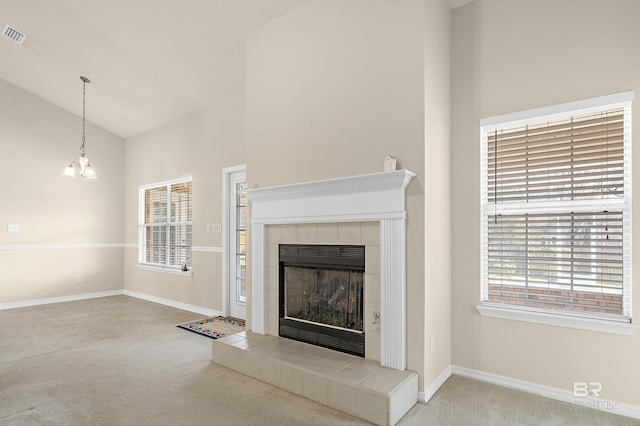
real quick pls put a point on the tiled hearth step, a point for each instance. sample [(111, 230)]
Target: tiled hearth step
[(353, 385)]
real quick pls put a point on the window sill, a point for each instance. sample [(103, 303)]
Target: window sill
[(165, 270), (590, 324)]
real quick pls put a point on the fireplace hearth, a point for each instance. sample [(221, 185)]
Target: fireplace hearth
[(321, 295)]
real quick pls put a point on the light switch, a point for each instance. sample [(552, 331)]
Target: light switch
[(13, 227), (216, 227)]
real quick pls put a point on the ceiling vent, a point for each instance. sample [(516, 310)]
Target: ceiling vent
[(14, 34)]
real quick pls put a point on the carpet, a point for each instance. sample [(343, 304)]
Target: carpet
[(215, 327)]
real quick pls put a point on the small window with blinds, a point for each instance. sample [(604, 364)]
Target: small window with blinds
[(165, 225), (555, 203)]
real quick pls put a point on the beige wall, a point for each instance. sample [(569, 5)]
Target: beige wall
[(37, 140), (437, 234), (510, 56), (333, 87), (199, 145)]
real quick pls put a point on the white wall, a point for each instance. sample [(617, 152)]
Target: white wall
[(510, 56), (198, 145), (37, 141)]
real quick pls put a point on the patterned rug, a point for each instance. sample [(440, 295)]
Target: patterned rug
[(215, 327)]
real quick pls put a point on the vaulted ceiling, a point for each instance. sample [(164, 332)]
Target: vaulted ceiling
[(149, 61)]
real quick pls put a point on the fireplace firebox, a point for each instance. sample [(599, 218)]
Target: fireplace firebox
[(321, 295)]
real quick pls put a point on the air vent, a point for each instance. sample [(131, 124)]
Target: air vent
[(14, 34)]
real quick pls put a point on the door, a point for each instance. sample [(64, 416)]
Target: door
[(237, 247)]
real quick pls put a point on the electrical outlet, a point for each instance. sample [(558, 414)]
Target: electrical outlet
[(79, 278), (13, 227)]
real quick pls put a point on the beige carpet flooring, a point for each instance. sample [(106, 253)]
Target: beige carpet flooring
[(122, 361)]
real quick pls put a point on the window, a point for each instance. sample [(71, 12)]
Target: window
[(555, 210), (241, 241), (165, 225)]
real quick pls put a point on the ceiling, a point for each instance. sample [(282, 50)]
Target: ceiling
[(150, 61)]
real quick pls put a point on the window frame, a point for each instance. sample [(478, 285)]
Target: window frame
[(159, 267), (596, 322)]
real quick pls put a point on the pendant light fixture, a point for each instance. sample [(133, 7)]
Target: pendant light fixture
[(82, 167)]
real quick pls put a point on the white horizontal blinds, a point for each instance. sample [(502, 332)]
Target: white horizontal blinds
[(569, 261), (578, 158), (180, 235), (167, 227), (555, 213), (155, 221)]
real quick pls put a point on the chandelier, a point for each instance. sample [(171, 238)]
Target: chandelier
[(82, 167)]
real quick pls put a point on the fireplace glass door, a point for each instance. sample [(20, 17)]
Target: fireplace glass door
[(325, 296), (321, 295)]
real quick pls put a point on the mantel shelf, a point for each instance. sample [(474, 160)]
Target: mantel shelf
[(357, 198), (374, 182)]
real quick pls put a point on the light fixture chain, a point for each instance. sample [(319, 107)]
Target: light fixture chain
[(84, 84)]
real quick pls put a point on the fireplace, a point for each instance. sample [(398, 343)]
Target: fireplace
[(321, 295), (379, 198)]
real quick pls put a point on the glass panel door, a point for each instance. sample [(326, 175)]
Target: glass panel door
[(237, 229)]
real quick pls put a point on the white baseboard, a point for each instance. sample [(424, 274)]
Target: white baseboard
[(173, 303), (549, 392), (427, 394), (48, 300), (147, 297)]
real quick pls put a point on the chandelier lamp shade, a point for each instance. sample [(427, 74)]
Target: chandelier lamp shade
[(82, 167)]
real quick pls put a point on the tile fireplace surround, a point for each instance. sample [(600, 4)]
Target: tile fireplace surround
[(365, 234), (365, 210)]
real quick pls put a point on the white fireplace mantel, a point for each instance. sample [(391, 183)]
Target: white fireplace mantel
[(374, 197)]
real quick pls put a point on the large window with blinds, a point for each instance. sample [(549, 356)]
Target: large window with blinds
[(165, 225), (555, 204)]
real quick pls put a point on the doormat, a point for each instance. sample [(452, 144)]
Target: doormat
[(215, 327)]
